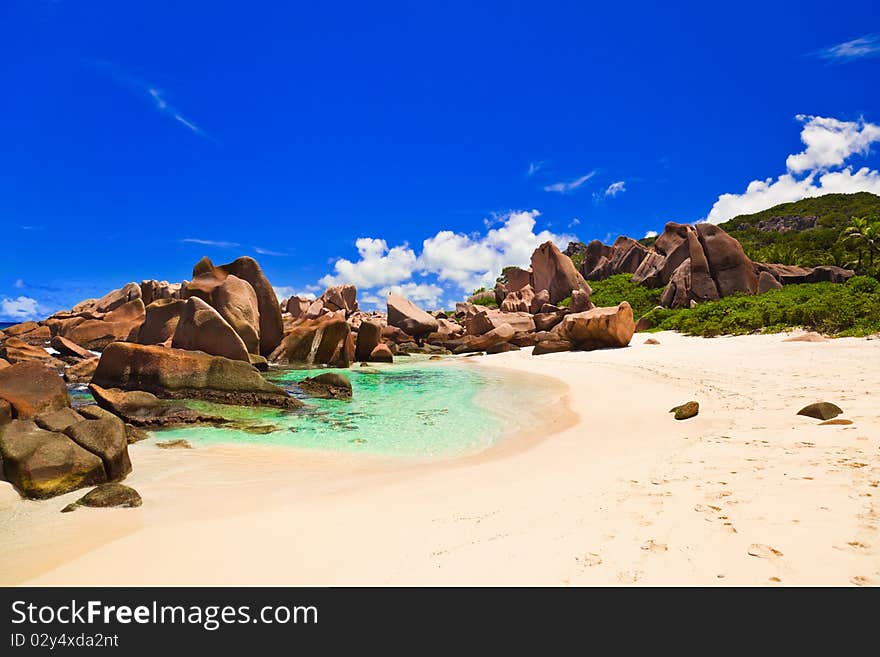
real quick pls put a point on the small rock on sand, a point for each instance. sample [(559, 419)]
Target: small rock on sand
[(835, 421), (686, 411), (115, 496), (652, 341), (807, 337), (821, 410)]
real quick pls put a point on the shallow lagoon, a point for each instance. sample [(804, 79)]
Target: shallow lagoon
[(419, 408)]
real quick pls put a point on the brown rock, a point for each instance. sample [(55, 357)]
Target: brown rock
[(552, 346), (600, 327), (201, 328), (767, 282), (157, 290), (143, 409), (105, 438), (652, 341), (821, 410), (368, 337), (17, 330), (546, 321), (119, 324), (175, 373), (409, 318), (271, 329), (161, 321), (519, 301), (381, 354), (67, 348), (702, 285), (58, 420), (328, 385), (107, 496), (32, 389), (325, 341), (341, 297), (555, 272), (83, 371), (42, 464), (297, 306), (810, 336), (16, 350), (580, 302), (732, 269), (836, 421), (685, 411), (236, 302)]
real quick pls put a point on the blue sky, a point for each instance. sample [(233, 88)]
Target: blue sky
[(417, 146)]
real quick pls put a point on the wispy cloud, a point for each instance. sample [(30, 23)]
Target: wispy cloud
[(158, 97), (535, 167), (262, 251), (616, 188), (864, 46), (218, 244), (650, 233), (570, 186)]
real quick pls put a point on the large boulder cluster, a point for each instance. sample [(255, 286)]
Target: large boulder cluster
[(694, 263)]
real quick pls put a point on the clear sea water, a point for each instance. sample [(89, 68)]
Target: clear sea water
[(421, 409)]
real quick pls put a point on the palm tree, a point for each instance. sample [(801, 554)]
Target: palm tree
[(865, 234)]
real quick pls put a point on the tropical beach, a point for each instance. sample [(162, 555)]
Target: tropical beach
[(551, 295), (747, 493)]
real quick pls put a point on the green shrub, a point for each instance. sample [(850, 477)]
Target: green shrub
[(850, 309), (488, 300), (620, 287)]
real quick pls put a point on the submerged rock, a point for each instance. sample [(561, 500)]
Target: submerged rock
[(821, 410), (686, 411), (144, 409), (107, 496), (174, 444), (327, 386)]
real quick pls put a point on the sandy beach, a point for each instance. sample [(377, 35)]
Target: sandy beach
[(609, 489)]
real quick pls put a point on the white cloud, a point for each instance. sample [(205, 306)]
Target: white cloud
[(651, 233), (474, 261), (865, 46), (616, 188), (570, 186), (378, 265), (534, 167), (466, 262), (19, 284), (286, 291), (829, 143), (19, 309), (421, 293), (261, 251), (222, 245), (574, 222)]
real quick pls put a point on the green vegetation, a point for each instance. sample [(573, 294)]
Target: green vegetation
[(577, 258), (620, 287), (487, 300), (850, 309), (828, 243)]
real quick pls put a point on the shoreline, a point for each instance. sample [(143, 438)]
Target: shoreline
[(615, 493)]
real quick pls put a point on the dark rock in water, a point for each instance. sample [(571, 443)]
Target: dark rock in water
[(143, 409), (381, 353), (58, 420), (32, 389), (476, 353), (249, 427), (821, 410), (107, 496), (329, 385), (42, 464), (174, 444), (105, 438), (368, 338), (180, 374), (686, 411), (436, 358), (259, 362)]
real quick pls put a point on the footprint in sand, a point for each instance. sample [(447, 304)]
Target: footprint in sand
[(630, 576), (591, 559), (860, 580), (653, 546), (858, 545), (763, 551)]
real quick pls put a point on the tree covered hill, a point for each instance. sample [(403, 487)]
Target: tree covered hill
[(806, 232)]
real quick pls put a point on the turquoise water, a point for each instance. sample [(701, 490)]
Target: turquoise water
[(419, 409)]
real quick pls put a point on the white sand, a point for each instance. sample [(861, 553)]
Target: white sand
[(621, 493)]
